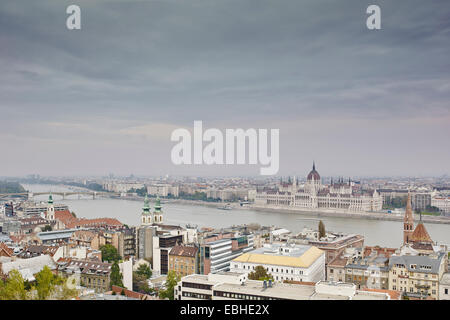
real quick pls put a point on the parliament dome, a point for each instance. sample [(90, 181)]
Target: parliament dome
[(313, 174)]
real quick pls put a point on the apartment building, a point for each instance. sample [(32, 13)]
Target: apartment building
[(90, 274), (417, 275), (368, 272), (184, 260)]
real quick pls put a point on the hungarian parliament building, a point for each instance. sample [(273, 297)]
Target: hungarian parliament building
[(338, 196)]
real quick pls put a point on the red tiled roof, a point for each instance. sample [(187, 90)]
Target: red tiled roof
[(395, 295), (339, 261), (64, 216), (130, 294), (17, 238), (388, 252), (420, 234), (184, 251), (5, 251), (111, 222)]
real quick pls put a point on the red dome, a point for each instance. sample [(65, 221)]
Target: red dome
[(313, 174)]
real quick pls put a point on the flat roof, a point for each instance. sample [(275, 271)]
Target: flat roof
[(301, 257), (278, 290)]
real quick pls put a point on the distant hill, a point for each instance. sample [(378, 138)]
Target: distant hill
[(11, 187)]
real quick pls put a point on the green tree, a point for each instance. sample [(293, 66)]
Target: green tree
[(45, 283), (140, 283), (47, 228), (116, 276), (260, 273), (13, 288), (110, 253), (322, 232), (171, 281), (144, 270)]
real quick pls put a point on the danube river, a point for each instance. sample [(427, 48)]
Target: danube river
[(383, 233)]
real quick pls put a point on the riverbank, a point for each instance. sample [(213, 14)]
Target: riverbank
[(353, 215), (307, 212)]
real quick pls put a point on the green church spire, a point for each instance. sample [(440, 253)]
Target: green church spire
[(158, 205), (50, 199), (146, 207)]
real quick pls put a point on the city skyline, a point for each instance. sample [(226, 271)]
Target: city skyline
[(107, 97)]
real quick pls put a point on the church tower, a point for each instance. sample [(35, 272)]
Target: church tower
[(408, 223), (146, 216), (50, 209), (158, 214)]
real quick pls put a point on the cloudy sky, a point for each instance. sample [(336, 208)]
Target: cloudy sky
[(105, 99)]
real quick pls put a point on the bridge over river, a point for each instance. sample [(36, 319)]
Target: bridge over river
[(63, 194)]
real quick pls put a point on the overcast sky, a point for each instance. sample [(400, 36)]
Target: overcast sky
[(105, 99)]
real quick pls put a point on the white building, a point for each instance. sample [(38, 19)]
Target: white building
[(313, 195), (442, 203), (444, 287), (163, 190), (236, 286), (284, 262), (122, 187), (126, 268)]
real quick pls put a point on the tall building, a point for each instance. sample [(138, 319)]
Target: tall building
[(217, 250), (50, 209), (408, 221), (162, 245), (144, 242), (418, 237), (313, 195)]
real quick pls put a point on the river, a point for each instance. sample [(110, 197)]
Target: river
[(376, 232)]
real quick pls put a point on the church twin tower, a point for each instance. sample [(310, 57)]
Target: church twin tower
[(149, 218)]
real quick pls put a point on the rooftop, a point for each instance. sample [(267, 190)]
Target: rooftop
[(292, 256)]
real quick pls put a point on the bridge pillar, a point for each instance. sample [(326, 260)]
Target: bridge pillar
[(64, 196), (30, 195), (93, 195)]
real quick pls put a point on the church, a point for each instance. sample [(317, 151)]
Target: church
[(418, 237), (313, 195), (150, 218)]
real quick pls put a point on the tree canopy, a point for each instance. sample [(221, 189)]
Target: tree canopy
[(110, 253), (260, 273), (144, 270), (116, 276), (322, 232), (46, 286), (171, 282)]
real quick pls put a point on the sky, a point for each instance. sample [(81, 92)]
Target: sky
[(105, 99)]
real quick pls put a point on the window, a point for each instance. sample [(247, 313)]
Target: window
[(446, 291)]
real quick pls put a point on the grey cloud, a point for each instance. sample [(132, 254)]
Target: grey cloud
[(142, 63)]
